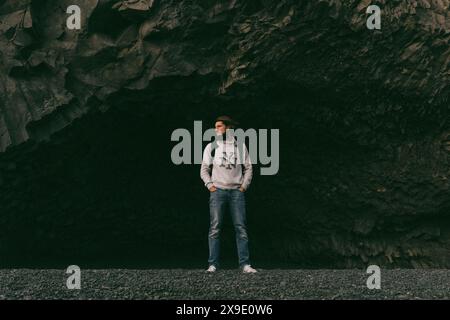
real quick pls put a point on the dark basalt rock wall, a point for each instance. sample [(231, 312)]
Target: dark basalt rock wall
[(86, 118)]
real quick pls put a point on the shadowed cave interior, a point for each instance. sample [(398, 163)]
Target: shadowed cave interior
[(104, 192)]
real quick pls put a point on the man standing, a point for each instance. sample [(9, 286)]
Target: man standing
[(227, 178)]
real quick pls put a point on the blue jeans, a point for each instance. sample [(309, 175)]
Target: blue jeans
[(218, 202)]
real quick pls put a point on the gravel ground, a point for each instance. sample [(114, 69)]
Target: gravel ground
[(225, 284)]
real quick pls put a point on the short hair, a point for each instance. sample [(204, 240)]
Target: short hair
[(228, 121)]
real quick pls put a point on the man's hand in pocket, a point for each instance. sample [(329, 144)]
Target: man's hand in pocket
[(241, 189), (212, 189)]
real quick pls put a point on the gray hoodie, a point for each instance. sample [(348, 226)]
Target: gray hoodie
[(227, 170)]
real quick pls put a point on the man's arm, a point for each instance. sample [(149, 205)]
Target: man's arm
[(247, 170), (205, 169)]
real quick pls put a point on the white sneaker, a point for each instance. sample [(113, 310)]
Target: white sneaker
[(248, 269), (211, 269)]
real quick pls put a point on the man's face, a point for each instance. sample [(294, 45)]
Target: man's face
[(220, 127)]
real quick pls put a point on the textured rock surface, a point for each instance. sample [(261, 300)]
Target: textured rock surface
[(86, 117), (225, 284)]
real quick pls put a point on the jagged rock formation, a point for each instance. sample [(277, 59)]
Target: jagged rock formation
[(86, 117)]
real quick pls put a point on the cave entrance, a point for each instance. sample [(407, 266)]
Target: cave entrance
[(103, 192)]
